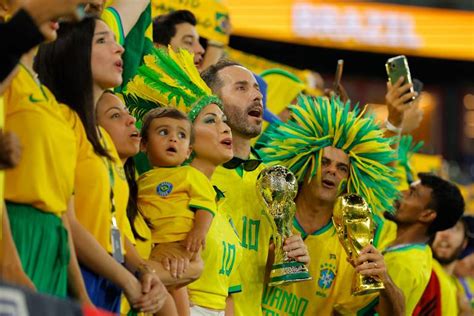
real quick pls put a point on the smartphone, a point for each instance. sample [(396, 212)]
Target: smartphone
[(338, 76), (417, 86), (397, 67)]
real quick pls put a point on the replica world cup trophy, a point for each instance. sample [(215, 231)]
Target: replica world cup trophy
[(355, 228), (278, 187)]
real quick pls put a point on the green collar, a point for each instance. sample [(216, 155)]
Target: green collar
[(320, 231)]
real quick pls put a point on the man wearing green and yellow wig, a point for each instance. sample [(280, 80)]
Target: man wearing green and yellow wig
[(332, 150)]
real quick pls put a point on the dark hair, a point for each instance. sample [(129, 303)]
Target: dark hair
[(64, 66), (446, 201), (132, 205), (211, 74), (164, 26), (161, 113)]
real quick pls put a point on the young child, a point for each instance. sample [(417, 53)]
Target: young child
[(178, 200)]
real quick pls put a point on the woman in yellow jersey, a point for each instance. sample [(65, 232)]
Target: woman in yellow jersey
[(114, 117), (37, 191), (78, 67), (210, 295)]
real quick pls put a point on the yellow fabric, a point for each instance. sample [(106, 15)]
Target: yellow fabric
[(92, 189), (448, 289), (143, 248), (112, 18), (330, 289), (222, 265), (281, 91), (385, 233), (168, 197), (212, 16), (2, 173), (401, 175), (410, 269), (254, 230), (426, 163), (45, 176)]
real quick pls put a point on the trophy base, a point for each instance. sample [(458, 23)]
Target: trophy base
[(363, 285), (288, 272)]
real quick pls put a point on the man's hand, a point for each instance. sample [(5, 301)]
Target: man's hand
[(395, 99), (10, 150), (296, 249), (371, 263), (153, 290)]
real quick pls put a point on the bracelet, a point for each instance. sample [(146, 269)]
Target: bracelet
[(389, 126)]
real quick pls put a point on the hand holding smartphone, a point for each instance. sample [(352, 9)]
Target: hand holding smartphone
[(397, 67)]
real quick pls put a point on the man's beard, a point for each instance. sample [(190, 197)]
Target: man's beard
[(390, 216), (450, 259), (238, 122)]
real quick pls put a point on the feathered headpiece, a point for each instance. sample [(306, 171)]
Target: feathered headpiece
[(317, 123), (168, 78), (406, 149)]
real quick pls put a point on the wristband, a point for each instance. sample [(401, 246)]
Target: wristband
[(389, 126)]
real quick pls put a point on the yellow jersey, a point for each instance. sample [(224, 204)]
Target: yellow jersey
[(242, 204), (44, 177), (95, 175), (168, 197), (222, 258), (2, 173), (330, 289), (449, 289), (409, 267)]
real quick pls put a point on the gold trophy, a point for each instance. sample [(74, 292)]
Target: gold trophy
[(355, 228), (278, 187)]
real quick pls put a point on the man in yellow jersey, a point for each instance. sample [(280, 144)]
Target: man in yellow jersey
[(332, 150), (447, 247), (242, 100), (430, 205)]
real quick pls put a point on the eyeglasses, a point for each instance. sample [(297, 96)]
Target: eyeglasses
[(247, 165)]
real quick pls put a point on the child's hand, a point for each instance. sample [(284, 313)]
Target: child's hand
[(195, 239)]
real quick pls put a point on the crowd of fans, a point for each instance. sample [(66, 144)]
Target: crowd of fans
[(130, 151)]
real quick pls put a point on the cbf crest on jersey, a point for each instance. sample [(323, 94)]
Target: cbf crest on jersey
[(164, 189), (327, 274)]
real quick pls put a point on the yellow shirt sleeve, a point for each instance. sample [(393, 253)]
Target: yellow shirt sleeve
[(201, 193), (410, 269)]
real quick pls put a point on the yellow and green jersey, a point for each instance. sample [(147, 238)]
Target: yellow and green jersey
[(44, 177), (242, 204), (222, 272), (95, 175), (168, 197), (449, 289), (409, 267), (330, 289)]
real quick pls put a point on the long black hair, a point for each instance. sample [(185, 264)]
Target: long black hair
[(64, 66), (132, 205)]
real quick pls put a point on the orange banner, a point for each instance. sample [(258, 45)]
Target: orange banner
[(364, 26)]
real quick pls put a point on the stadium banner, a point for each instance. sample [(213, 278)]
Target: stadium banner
[(355, 25)]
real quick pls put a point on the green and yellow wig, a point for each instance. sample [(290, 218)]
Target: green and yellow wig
[(317, 123), (168, 78)]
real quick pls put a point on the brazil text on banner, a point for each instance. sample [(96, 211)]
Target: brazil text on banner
[(363, 26)]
